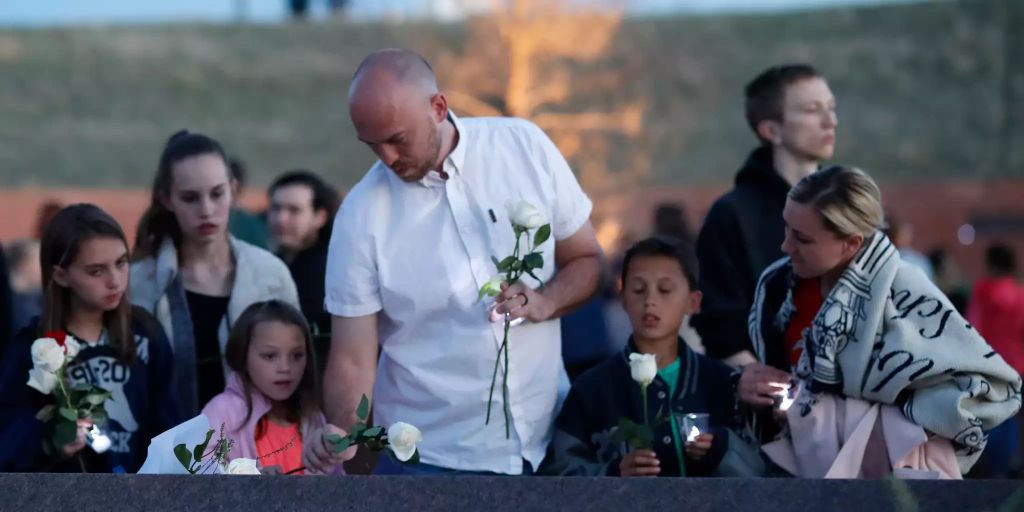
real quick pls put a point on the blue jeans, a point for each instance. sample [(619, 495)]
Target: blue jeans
[(388, 465), (1003, 450)]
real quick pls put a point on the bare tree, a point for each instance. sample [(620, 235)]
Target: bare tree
[(540, 60)]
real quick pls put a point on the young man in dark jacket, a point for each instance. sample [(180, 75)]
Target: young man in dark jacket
[(791, 110), (302, 208)]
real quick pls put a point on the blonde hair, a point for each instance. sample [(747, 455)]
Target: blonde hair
[(847, 198)]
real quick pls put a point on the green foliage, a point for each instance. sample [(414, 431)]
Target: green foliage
[(633, 434)]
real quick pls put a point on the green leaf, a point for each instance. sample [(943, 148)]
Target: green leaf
[(69, 414), (334, 439), (99, 417), (364, 408), (534, 260), (542, 235), (357, 429), (96, 398), (184, 457), (642, 437), (496, 262), (373, 432), (539, 280), (633, 434), (65, 433), (506, 264), (343, 444), (46, 413), (200, 449)]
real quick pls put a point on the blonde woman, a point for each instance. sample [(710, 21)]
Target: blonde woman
[(892, 380)]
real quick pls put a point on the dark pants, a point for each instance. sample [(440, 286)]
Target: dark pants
[(388, 465)]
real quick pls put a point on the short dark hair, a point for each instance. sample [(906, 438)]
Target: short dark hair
[(670, 220), (1001, 260), (669, 247), (765, 93), (325, 197)]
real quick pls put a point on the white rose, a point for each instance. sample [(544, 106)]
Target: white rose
[(525, 215), (403, 438), (42, 380), (47, 355), (242, 466), (643, 368), (72, 347)]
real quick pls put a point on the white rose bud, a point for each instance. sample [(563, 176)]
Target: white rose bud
[(42, 380), (491, 288), (643, 368), (525, 215), (47, 355), (403, 438), (72, 346), (242, 466)]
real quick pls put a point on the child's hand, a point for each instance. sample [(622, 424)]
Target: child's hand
[(69, 450), (318, 454), (699, 447), (640, 463)]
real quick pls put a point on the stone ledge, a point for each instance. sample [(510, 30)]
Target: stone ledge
[(117, 493)]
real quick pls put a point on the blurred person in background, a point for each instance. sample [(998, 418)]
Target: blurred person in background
[(996, 310), (949, 278), (792, 111), (901, 233), (6, 329), (243, 225), (300, 8), (670, 220), (46, 211), (302, 209), (26, 282)]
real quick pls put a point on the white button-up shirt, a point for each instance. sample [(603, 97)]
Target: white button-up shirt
[(418, 253)]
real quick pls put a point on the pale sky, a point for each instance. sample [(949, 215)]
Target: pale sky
[(62, 12)]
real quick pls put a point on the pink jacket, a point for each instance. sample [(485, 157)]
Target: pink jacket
[(228, 408)]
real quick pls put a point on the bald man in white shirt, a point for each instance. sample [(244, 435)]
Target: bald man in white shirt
[(412, 244)]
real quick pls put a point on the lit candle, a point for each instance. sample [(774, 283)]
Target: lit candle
[(786, 395), (786, 402), (692, 435), (98, 441)]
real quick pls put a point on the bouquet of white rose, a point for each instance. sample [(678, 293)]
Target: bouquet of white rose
[(73, 405)]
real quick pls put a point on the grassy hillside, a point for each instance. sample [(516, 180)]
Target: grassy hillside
[(923, 91)]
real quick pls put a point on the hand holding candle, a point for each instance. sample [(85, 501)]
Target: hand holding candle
[(693, 425), (759, 384), (785, 395)]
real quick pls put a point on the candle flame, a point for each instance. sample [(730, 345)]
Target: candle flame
[(692, 435)]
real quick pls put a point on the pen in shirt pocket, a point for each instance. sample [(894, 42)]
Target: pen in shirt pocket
[(494, 218)]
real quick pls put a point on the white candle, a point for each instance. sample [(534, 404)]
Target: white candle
[(692, 435)]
